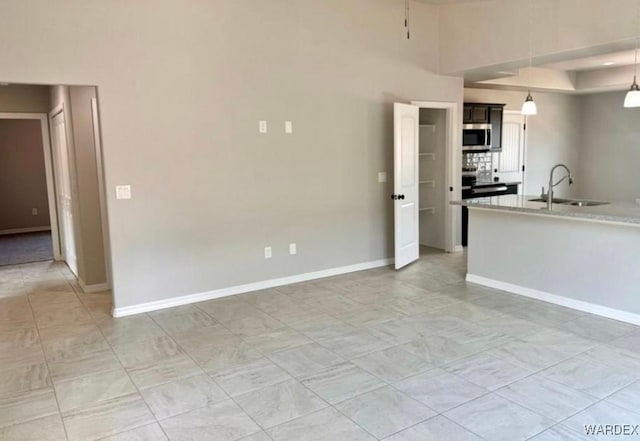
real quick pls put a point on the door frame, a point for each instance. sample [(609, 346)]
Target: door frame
[(77, 238), (48, 168), (453, 164)]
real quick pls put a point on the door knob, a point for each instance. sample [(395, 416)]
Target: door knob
[(395, 197)]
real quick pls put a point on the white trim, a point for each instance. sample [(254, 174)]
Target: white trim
[(579, 305), (458, 249), (24, 230), (88, 289), (240, 289), (63, 109), (48, 169), (453, 167)]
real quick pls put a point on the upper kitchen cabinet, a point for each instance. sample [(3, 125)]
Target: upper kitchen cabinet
[(484, 113), (475, 114), (495, 119)]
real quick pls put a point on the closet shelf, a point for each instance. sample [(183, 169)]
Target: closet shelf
[(432, 210), (433, 155), (428, 126), (430, 182)]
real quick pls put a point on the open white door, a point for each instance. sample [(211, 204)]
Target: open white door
[(60, 150), (406, 183)]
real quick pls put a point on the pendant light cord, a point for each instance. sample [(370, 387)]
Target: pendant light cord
[(530, 43), (635, 62), (635, 58)]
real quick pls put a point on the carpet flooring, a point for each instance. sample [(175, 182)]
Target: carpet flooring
[(25, 248)]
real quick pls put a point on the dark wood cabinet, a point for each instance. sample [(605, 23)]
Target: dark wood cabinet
[(484, 113), (480, 115), (495, 118), (475, 114), (467, 113)]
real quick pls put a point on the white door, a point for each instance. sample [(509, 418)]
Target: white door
[(406, 183), (63, 190), (511, 160)]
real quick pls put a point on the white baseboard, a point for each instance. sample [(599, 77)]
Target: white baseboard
[(240, 289), (24, 230), (88, 289), (458, 249), (591, 308)]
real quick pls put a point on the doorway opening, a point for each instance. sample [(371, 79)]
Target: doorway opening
[(426, 178), (58, 192), (26, 220)]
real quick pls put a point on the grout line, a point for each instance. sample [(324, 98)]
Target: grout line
[(376, 274), (134, 385), (53, 388)]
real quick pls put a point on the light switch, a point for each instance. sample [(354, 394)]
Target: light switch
[(288, 127), (267, 252), (293, 249), (262, 126), (34, 211), (382, 176), (123, 192)]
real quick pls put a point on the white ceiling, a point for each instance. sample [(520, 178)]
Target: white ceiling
[(615, 59)]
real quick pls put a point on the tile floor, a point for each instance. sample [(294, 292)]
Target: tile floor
[(414, 355)]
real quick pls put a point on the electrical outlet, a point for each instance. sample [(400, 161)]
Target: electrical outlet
[(638, 201), (382, 177), (34, 211), (293, 249), (288, 127), (267, 252), (123, 192), (262, 127)]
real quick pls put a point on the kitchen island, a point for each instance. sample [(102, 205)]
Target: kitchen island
[(586, 258)]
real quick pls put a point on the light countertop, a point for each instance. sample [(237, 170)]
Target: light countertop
[(619, 212)]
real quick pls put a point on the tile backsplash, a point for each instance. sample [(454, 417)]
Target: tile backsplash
[(482, 161)]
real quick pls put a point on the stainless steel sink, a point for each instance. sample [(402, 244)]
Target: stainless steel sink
[(555, 200), (574, 202), (580, 203)]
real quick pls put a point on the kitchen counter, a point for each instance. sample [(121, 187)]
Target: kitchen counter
[(618, 212), (585, 258)]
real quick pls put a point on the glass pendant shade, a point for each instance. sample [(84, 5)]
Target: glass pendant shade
[(529, 106), (633, 96)]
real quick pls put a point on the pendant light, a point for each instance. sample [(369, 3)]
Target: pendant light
[(529, 106), (633, 95)]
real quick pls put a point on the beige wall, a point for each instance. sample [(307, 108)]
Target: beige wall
[(87, 175), (182, 87), (553, 135), (24, 99), (609, 148), (23, 184), (86, 203)]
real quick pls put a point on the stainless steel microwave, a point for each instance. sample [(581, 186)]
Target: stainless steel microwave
[(476, 137)]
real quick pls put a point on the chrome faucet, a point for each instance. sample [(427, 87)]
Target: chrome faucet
[(551, 184)]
